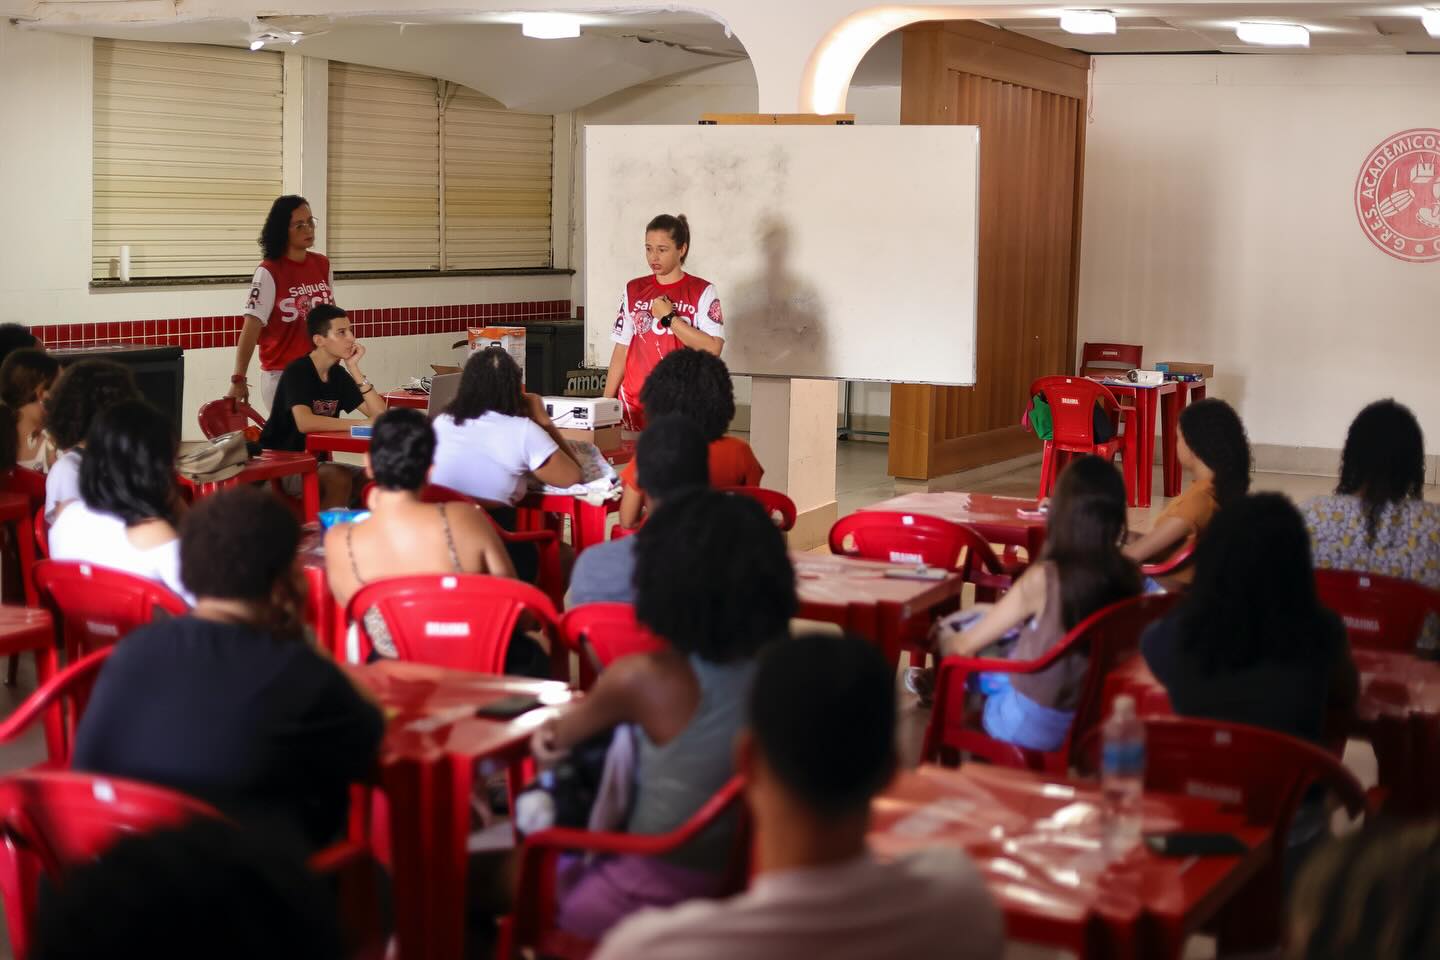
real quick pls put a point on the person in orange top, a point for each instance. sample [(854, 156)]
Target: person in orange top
[(697, 385)]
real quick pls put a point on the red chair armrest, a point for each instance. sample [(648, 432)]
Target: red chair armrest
[(528, 536)]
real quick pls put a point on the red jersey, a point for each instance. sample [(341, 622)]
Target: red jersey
[(695, 301), (281, 295)]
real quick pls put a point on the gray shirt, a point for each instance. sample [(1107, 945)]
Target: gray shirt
[(604, 573)]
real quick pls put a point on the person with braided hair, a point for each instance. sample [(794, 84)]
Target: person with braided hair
[(1215, 452)]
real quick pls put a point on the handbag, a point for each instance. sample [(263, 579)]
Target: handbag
[(220, 459)]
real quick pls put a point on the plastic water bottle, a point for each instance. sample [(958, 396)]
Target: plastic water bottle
[(1122, 777), (535, 808)]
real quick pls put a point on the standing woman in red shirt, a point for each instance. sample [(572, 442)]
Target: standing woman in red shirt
[(288, 282), (661, 312)]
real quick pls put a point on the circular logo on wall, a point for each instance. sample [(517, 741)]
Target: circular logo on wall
[(1397, 196)]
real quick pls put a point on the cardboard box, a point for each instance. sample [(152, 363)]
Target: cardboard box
[(511, 339), (445, 367), (1206, 370), (584, 382), (606, 438)]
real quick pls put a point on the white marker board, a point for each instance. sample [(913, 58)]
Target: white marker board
[(845, 252)]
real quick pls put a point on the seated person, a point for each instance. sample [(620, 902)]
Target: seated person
[(26, 378), (1081, 571), (202, 889), (818, 745), (81, 391), (672, 459), (1214, 450), (494, 437), (403, 536), (1377, 520), (16, 336), (231, 703), (128, 508), (697, 385), (1250, 642), (312, 394), (695, 562)]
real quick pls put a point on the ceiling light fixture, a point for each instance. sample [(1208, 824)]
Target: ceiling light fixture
[(1087, 22), (1273, 34), (256, 44), (550, 26), (1431, 19)]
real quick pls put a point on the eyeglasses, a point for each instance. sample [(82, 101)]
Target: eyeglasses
[(312, 223)]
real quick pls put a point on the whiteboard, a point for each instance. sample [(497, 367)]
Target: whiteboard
[(845, 252)]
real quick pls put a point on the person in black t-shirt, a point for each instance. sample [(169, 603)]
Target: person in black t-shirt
[(231, 703), (315, 390)]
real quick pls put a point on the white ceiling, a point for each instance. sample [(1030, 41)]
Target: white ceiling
[(486, 52)]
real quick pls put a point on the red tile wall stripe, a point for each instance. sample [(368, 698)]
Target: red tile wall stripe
[(196, 333)]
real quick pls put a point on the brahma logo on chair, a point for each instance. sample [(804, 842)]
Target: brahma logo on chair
[(1397, 196), (439, 628)]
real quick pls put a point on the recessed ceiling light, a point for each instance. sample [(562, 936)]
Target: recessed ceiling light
[(550, 26), (1273, 34), (1087, 22), (256, 44), (1431, 19)]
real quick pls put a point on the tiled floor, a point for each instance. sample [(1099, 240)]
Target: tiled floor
[(860, 480)]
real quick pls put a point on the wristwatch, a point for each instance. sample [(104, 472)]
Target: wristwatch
[(237, 378), (665, 320)]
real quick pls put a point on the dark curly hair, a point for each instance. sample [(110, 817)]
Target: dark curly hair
[(320, 318), (237, 544), (713, 577), (402, 448), (678, 226), (694, 384), (491, 381), (1253, 598), (275, 235), (81, 392), (1214, 433), (129, 465), (1384, 459), (1084, 532), (15, 336), (671, 456), (22, 374)]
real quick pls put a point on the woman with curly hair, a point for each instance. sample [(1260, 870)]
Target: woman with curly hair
[(695, 385), (1214, 450), (665, 311), (1376, 520), (289, 281), (81, 393)]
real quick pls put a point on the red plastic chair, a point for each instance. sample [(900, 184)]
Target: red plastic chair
[(916, 538), (1108, 359), (51, 819), (228, 415), (42, 532), (96, 606), (1179, 560), (601, 633), (551, 577), (1072, 403), (1380, 612), (531, 927), (1112, 635), (462, 621), (1259, 772), (780, 507), (58, 704)]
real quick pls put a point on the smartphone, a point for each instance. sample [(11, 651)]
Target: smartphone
[(918, 573), (1195, 844), (507, 707)]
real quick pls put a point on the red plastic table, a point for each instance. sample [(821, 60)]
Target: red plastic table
[(272, 465), (336, 441), (31, 630), (1186, 393), (414, 399), (427, 763), (857, 595), (997, 519), (1036, 841), (1150, 403)]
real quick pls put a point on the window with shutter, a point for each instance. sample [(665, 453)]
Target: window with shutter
[(187, 157)]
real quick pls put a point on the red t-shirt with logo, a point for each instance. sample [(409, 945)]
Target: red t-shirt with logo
[(695, 300), (281, 295)]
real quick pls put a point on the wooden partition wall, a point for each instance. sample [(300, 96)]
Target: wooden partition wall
[(1029, 100)]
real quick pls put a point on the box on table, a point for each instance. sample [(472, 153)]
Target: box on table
[(1206, 370), (510, 339), (606, 438)]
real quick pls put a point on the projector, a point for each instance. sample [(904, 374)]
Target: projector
[(582, 413), (1146, 378)]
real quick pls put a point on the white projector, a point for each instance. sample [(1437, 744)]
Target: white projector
[(582, 413), (1146, 378)]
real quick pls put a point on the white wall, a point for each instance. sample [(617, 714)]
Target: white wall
[(725, 88), (45, 207), (1220, 226)]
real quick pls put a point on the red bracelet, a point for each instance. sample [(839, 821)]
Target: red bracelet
[(238, 378)]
